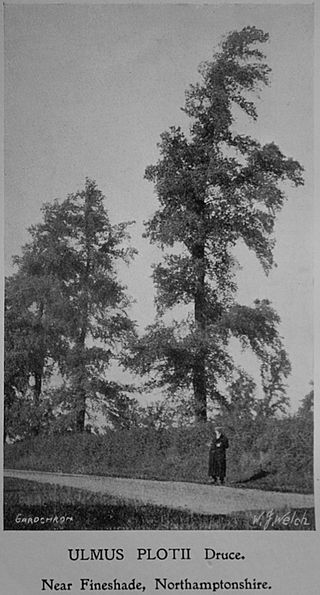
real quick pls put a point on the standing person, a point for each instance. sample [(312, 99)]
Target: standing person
[(217, 456)]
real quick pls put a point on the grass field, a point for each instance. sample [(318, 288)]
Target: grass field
[(31, 506)]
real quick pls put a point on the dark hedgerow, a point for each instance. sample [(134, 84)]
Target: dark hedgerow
[(280, 456)]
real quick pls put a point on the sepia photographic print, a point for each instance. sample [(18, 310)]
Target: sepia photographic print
[(158, 327)]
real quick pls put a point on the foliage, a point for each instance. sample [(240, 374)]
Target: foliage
[(33, 343), (266, 453), (306, 408), (66, 311), (215, 188)]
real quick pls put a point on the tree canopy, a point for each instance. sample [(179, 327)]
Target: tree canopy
[(66, 310), (215, 188)]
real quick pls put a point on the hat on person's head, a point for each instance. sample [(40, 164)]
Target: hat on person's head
[(218, 428)]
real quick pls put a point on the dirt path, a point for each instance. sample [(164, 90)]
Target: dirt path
[(195, 497)]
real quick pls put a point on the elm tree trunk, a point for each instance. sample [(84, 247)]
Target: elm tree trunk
[(199, 366)]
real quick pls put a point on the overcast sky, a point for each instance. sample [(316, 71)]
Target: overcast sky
[(90, 88)]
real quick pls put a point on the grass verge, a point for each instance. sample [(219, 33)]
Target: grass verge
[(32, 506)]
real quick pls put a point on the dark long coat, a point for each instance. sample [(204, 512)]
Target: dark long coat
[(217, 456)]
